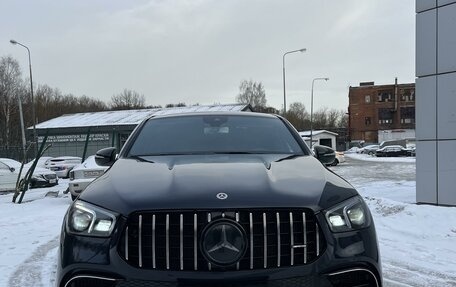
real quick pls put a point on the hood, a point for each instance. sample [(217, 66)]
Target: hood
[(193, 181)]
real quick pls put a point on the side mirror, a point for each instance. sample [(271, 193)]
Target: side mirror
[(324, 154), (106, 156), (12, 169)]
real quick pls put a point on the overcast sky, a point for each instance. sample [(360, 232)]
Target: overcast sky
[(198, 51)]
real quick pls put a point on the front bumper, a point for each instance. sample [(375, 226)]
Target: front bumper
[(77, 186), (350, 259), (41, 182)]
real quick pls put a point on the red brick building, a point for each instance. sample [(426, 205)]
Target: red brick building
[(373, 108)]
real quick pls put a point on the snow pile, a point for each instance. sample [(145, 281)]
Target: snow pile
[(366, 157)]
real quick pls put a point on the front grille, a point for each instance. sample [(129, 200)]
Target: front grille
[(171, 240), (50, 176)]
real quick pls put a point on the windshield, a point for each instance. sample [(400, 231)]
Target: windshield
[(208, 134)]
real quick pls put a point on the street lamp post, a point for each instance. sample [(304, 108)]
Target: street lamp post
[(311, 106), (35, 138), (283, 68)]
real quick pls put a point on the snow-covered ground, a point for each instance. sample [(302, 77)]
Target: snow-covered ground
[(29, 236), (417, 242)]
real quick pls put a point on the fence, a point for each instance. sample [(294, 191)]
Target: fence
[(16, 153)]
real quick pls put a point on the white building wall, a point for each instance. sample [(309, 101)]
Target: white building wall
[(388, 135), (436, 101)]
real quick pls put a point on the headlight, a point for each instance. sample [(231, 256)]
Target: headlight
[(349, 215), (87, 219)]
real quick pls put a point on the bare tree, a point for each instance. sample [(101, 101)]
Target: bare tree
[(298, 116), (128, 99), (343, 120), (323, 118), (175, 105), (252, 93), (332, 117), (10, 87), (51, 103), (320, 118)]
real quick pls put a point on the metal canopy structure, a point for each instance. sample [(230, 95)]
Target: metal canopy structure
[(83, 133), (120, 120)]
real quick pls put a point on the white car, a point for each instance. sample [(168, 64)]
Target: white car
[(63, 165), (82, 175), (340, 158), (9, 171), (369, 149), (41, 161)]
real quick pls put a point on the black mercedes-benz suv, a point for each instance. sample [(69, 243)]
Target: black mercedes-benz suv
[(218, 199)]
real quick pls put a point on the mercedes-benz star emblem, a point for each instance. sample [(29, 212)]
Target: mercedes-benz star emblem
[(222, 195), (223, 242)]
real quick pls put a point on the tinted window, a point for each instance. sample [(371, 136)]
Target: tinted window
[(214, 134)]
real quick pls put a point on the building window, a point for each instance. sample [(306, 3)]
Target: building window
[(408, 115), (367, 121), (385, 116), (385, 96), (407, 95), (367, 99)]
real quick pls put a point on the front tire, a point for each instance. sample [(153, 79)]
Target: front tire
[(336, 162)]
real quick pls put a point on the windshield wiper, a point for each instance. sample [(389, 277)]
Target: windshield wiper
[(291, 156), (140, 158), (234, 152)]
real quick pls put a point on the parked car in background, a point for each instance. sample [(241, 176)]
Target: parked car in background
[(41, 177), (63, 165), (8, 177), (393, 150), (412, 151), (340, 158), (42, 161), (369, 149), (82, 175)]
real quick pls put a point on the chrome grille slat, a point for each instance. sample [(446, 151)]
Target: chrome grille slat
[(181, 241), (126, 243), (167, 241), (195, 241), (251, 239), (154, 260), (304, 232), (317, 239), (209, 219), (140, 241), (265, 241), (291, 240), (278, 239), (237, 220), (170, 240)]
